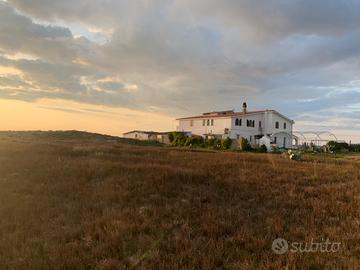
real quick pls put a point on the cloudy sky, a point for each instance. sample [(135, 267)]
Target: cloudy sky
[(112, 65)]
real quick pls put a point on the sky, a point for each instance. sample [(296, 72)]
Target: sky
[(110, 66)]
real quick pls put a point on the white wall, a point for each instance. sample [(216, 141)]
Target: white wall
[(245, 131), (268, 120), (219, 126), (139, 136), (281, 132)]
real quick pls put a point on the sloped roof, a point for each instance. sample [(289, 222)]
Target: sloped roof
[(146, 132)]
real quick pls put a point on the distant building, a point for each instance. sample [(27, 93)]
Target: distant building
[(148, 136), (264, 125)]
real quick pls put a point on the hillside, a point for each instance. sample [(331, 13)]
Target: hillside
[(74, 200), (72, 135)]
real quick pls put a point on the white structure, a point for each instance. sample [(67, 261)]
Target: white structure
[(252, 125), (147, 136)]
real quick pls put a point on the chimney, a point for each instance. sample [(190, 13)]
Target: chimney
[(244, 107)]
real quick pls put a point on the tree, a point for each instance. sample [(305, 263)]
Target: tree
[(226, 143), (177, 138), (245, 145)]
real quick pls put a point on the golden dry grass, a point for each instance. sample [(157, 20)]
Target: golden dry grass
[(94, 204)]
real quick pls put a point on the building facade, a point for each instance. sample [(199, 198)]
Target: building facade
[(252, 125), (162, 137)]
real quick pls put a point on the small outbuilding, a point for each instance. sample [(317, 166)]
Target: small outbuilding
[(162, 137)]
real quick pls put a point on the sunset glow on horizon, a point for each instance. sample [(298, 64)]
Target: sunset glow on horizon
[(140, 64), (65, 115)]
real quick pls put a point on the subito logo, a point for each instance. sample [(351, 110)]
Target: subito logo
[(280, 246)]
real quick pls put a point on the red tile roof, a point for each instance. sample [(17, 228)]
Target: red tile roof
[(223, 114)]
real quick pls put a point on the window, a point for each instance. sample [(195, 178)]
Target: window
[(191, 123), (275, 140), (204, 121), (212, 122), (284, 143), (250, 123), (284, 125), (208, 122), (259, 124), (276, 124), (250, 138), (238, 122)]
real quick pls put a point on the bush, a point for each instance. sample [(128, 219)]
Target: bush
[(171, 137), (217, 143), (275, 150), (197, 141), (354, 148), (294, 155), (180, 139), (188, 142), (245, 145), (177, 138), (333, 146), (263, 149), (226, 143), (210, 142)]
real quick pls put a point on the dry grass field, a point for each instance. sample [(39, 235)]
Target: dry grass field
[(73, 202)]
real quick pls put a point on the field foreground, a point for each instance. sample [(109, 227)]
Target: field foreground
[(87, 203)]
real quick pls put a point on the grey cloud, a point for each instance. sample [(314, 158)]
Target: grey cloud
[(12, 81), (13, 22), (190, 56), (273, 17), (101, 13), (277, 18), (19, 34), (51, 76), (111, 85)]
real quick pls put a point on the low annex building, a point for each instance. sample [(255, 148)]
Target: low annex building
[(258, 127), (162, 137)]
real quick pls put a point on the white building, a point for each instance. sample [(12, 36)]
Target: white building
[(252, 125), (147, 136)]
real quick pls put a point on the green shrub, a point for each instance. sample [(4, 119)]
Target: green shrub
[(197, 141), (295, 155), (194, 141), (188, 142), (333, 146), (226, 143), (210, 142), (171, 137), (275, 150), (245, 145), (354, 147), (217, 144), (263, 149), (177, 138), (180, 139)]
